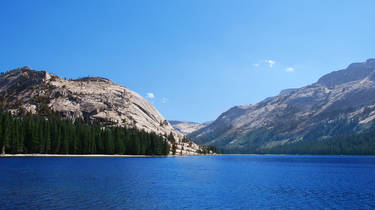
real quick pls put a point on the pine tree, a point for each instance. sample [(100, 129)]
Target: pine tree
[(109, 144), (33, 134), (65, 141)]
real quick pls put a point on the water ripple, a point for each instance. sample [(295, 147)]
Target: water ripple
[(212, 182)]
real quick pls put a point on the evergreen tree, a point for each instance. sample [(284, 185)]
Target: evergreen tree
[(50, 134), (109, 143)]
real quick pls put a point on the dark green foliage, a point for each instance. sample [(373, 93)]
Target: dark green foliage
[(341, 144), (53, 135), (354, 144), (173, 141), (335, 137)]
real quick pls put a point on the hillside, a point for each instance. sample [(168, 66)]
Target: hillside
[(341, 102), (90, 98)]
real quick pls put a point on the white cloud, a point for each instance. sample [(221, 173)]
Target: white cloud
[(289, 69), (164, 100), (150, 95), (256, 65), (270, 62)]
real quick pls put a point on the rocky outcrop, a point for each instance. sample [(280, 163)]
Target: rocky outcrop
[(340, 102), (187, 127), (90, 98)]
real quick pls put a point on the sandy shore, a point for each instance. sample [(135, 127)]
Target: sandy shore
[(97, 155), (73, 155)]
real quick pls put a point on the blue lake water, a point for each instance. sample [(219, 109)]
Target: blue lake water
[(198, 182)]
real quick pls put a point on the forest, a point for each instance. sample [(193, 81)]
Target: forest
[(53, 135), (346, 144), (338, 138)]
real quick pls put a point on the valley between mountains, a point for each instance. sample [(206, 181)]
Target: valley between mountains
[(334, 115)]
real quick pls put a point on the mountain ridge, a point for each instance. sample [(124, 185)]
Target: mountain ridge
[(341, 97), (90, 98), (186, 127)]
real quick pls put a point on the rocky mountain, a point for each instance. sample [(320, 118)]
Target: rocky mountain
[(90, 98), (341, 102), (187, 127)]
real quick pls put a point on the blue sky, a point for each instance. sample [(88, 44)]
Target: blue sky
[(194, 59)]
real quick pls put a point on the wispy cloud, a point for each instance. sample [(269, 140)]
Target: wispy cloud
[(150, 95), (267, 62), (164, 100), (289, 69), (270, 62)]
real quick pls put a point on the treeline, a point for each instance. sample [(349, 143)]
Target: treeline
[(207, 149), (354, 144), (343, 141), (53, 135)]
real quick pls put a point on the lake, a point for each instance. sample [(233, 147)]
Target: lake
[(196, 182)]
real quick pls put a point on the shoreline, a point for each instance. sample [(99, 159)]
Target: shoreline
[(92, 155), (78, 155), (153, 156)]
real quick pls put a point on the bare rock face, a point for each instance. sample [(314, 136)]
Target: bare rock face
[(91, 98), (187, 127), (340, 102)]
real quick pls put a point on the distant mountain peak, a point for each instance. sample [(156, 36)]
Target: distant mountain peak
[(186, 127)]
